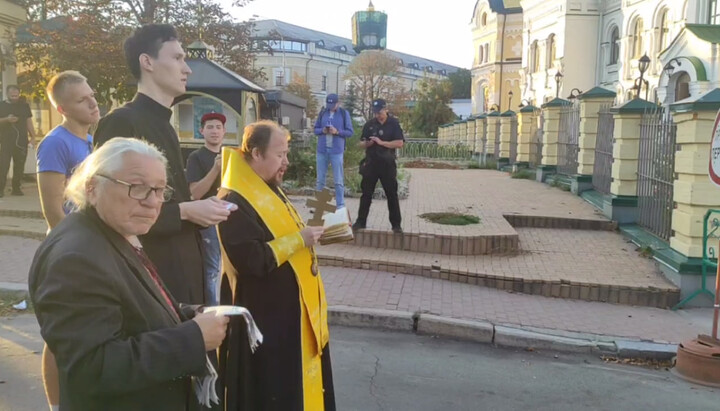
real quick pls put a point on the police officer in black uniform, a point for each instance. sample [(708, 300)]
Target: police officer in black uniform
[(381, 136)]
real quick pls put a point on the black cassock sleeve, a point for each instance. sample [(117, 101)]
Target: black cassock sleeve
[(119, 123), (245, 239)]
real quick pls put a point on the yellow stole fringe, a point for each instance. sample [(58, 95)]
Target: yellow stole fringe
[(285, 224)]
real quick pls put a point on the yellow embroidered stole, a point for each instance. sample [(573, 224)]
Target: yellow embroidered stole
[(285, 224)]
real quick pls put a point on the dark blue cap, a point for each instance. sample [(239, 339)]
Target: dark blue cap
[(378, 104), (331, 98)]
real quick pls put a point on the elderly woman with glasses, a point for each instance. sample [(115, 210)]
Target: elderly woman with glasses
[(120, 339)]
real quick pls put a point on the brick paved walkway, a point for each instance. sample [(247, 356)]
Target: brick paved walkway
[(362, 288), (596, 257), (487, 194), (368, 289)]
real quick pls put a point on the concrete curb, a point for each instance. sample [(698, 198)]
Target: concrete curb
[(369, 317), (4, 286)]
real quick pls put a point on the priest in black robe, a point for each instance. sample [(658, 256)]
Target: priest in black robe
[(270, 267), (157, 60)]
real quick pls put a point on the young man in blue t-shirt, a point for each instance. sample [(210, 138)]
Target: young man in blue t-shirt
[(67, 145), (59, 152), (333, 126)]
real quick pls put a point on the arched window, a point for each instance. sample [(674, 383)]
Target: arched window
[(483, 19), (551, 50), (535, 57), (481, 59), (614, 45), (637, 38), (664, 25), (487, 52)]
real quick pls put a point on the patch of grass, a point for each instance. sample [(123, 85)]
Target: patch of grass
[(451, 218), (10, 298), (473, 165), (646, 251), (523, 174)]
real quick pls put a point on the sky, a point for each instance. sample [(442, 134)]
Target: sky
[(432, 29)]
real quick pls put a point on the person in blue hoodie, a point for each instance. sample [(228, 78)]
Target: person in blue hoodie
[(333, 126)]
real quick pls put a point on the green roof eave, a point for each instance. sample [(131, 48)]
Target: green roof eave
[(557, 102), (481, 116), (494, 114), (636, 105), (597, 92), (699, 67), (528, 109), (705, 32), (709, 101), (508, 113)]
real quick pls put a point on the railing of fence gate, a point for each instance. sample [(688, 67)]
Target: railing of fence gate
[(602, 168), (496, 149), (568, 139), (429, 149), (656, 172), (538, 120)]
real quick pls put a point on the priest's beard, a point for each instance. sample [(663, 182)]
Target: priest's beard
[(277, 178)]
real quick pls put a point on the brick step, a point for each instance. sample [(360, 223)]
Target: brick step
[(533, 221), (438, 243), (23, 227), (469, 245), (22, 214), (495, 272)]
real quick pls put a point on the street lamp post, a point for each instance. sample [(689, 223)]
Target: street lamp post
[(510, 96), (574, 93), (558, 79), (643, 65)]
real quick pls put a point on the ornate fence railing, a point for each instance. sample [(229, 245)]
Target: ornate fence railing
[(602, 168), (429, 149), (568, 139)]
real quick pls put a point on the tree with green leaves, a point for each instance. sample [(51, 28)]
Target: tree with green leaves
[(461, 83), (432, 99), (350, 100), (299, 87), (373, 75), (87, 36)]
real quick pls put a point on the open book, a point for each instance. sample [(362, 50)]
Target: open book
[(337, 227)]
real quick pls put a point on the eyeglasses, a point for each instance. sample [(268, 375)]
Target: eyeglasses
[(142, 191)]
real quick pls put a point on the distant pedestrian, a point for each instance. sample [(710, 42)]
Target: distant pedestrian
[(381, 136), (15, 128), (333, 126), (203, 175)]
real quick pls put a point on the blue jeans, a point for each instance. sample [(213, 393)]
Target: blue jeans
[(211, 264), (336, 161)]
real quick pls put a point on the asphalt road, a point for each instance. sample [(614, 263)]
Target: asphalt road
[(376, 370)]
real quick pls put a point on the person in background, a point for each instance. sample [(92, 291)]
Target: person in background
[(58, 154), (15, 128), (203, 174), (333, 127), (381, 136)]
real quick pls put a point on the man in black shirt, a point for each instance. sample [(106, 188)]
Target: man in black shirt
[(15, 127), (203, 175), (157, 60), (381, 136)]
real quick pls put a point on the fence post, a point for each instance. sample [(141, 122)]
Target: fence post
[(470, 134), (590, 104), (694, 193), (493, 123), (551, 112), (505, 141), (526, 133), (480, 122)]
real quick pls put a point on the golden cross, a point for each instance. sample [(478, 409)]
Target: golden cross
[(322, 205)]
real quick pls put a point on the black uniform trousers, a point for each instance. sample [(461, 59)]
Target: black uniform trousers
[(12, 149), (386, 172)]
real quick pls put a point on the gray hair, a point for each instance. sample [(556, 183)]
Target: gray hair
[(106, 160)]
